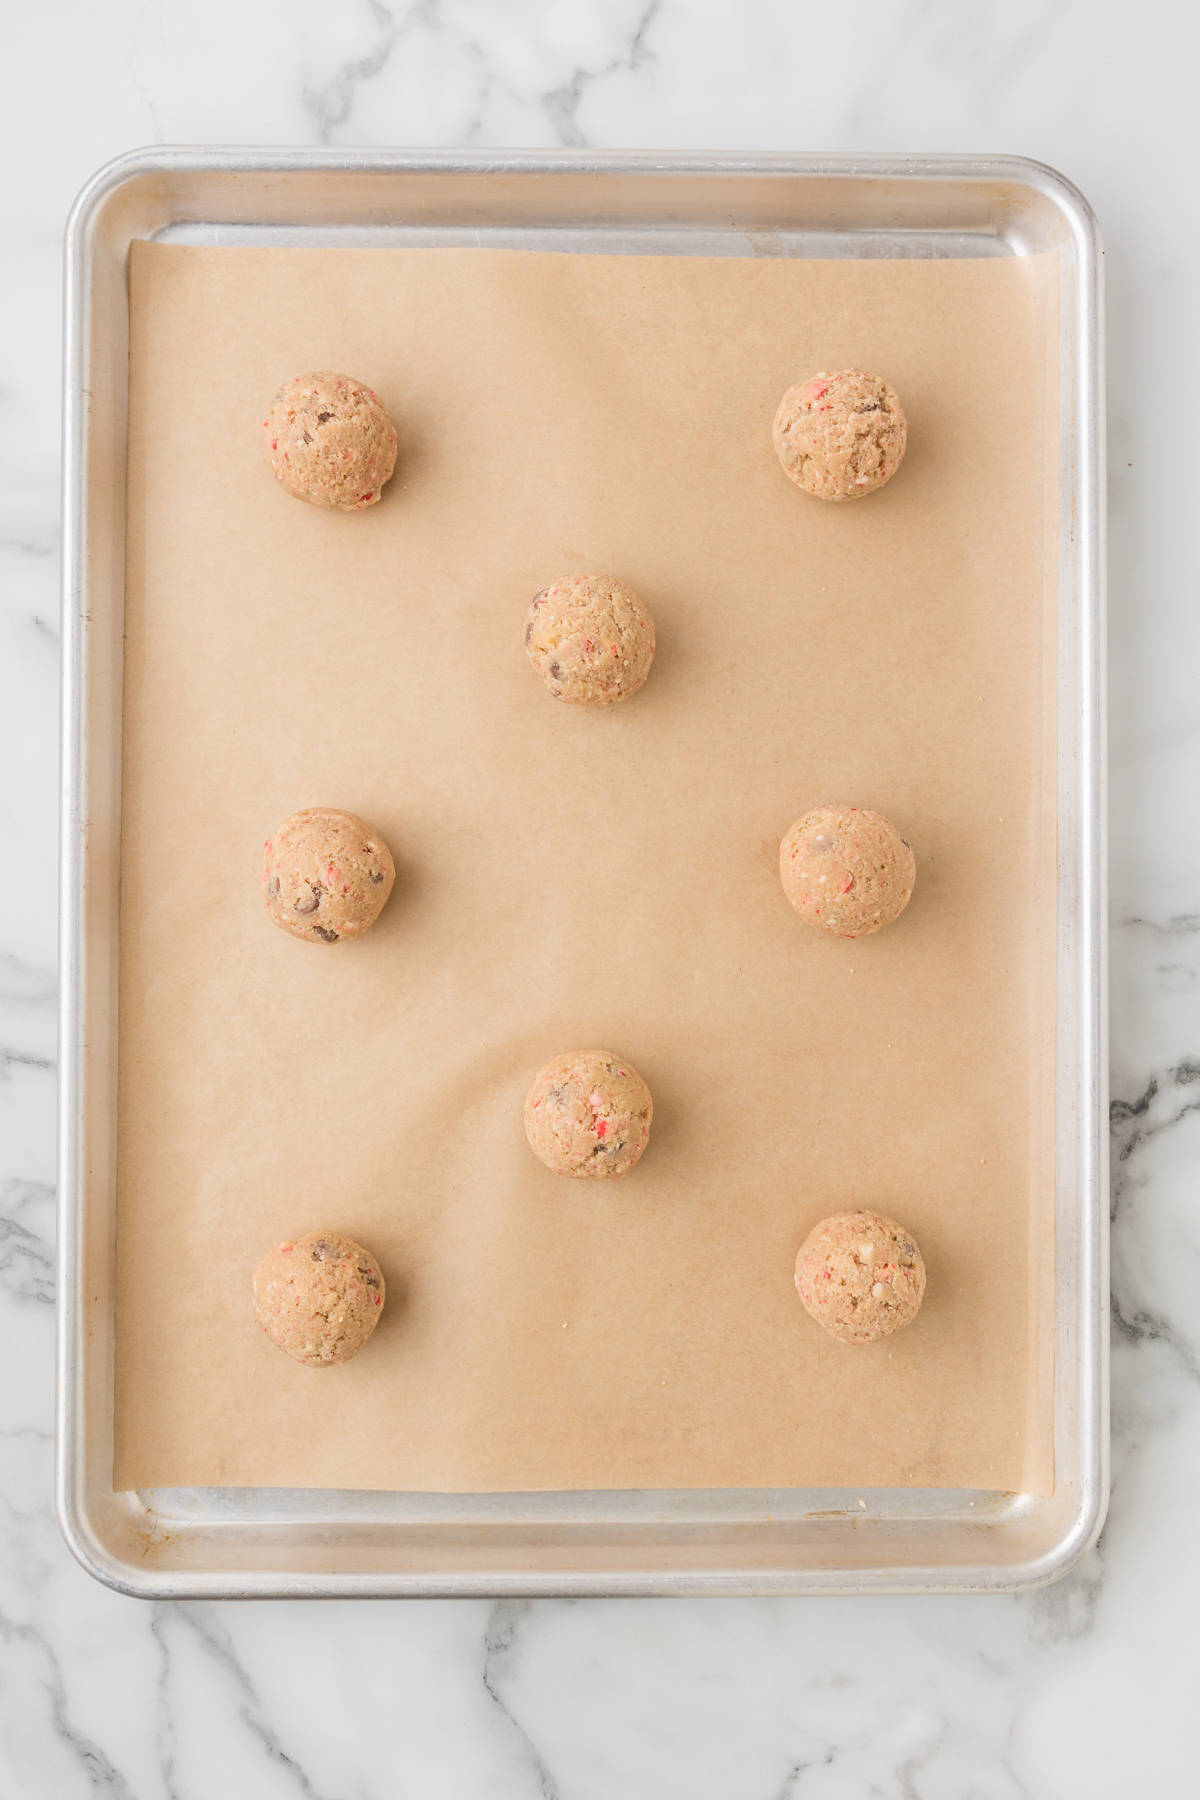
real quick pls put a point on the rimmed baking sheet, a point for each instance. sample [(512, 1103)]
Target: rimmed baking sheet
[(680, 687)]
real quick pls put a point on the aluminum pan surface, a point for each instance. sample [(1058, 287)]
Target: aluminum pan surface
[(240, 1542)]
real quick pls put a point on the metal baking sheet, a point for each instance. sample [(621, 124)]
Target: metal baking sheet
[(304, 1543)]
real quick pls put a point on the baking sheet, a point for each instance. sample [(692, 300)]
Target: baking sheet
[(568, 880)]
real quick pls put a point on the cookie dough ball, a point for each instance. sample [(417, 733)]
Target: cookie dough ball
[(840, 436), (590, 638), (861, 1276), (846, 871), (326, 875), (320, 1298), (588, 1114), (329, 441)]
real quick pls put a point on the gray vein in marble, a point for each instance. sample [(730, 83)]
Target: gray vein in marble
[(500, 1638), (33, 1020), (797, 1772), (165, 1727), (1065, 1612), (562, 103), (27, 553), (1134, 1124), (911, 1768), (26, 1259), (25, 982), (882, 49), (1180, 925), (1121, 1111), (143, 92), (27, 546), (20, 1192), (217, 1643), (1144, 1119), (102, 1775), (1010, 1732), (1179, 971), (330, 106), (489, 84), (21, 1059), (1140, 1326)]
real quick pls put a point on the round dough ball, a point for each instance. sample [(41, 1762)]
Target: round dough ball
[(861, 1276), (326, 875), (320, 1298), (329, 441), (590, 638), (840, 436), (846, 871), (588, 1114)]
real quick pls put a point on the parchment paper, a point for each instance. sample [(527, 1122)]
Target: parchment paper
[(570, 879)]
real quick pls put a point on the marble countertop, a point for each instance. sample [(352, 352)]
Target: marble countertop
[(1082, 1689)]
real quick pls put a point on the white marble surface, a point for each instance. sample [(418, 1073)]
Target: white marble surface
[(1084, 1689)]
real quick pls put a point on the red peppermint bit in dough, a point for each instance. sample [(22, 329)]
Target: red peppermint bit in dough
[(601, 1128), (588, 646), (363, 498), (846, 885), (286, 1249), (274, 443), (817, 393), (827, 1272), (822, 409), (614, 649), (379, 1299)]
